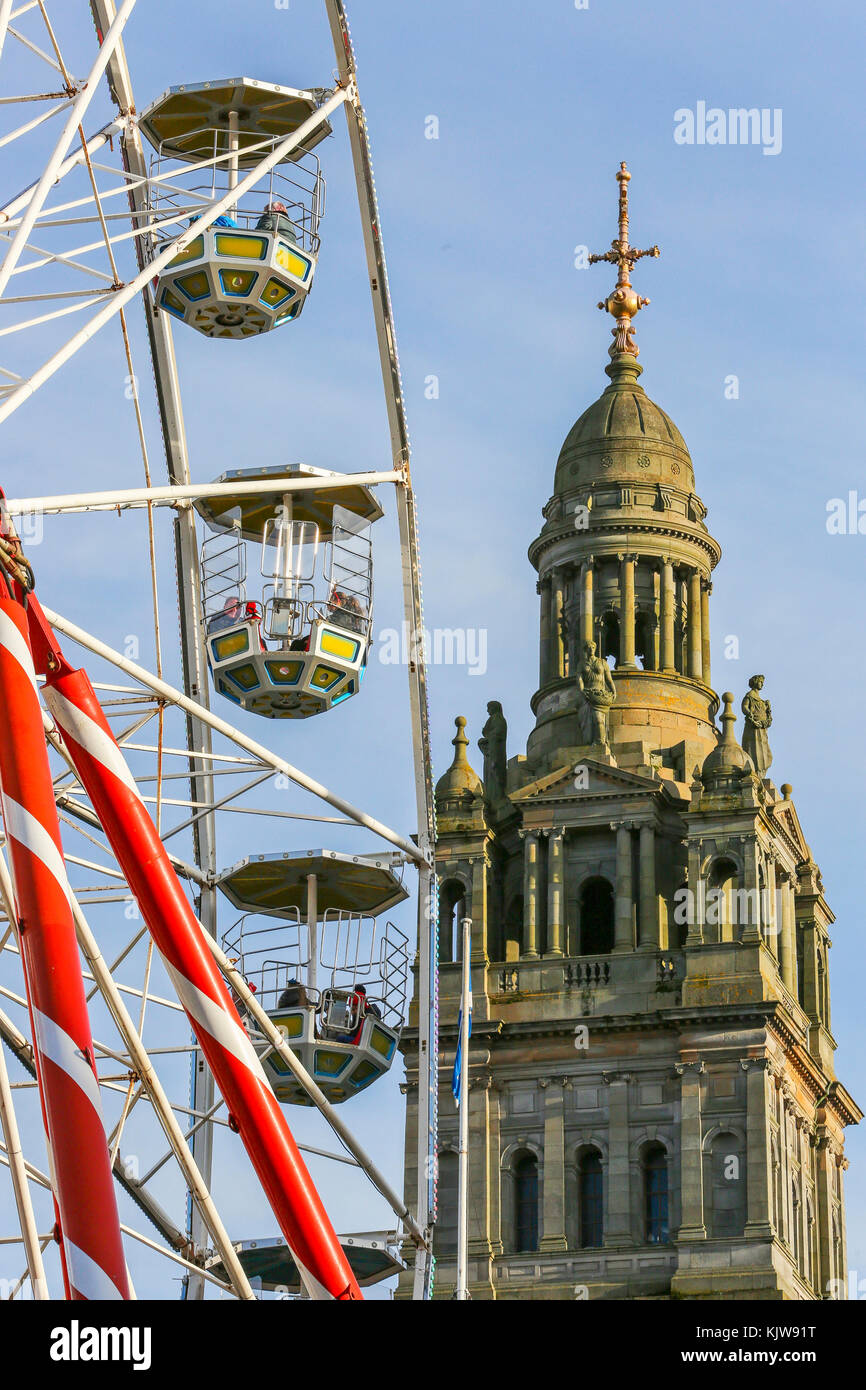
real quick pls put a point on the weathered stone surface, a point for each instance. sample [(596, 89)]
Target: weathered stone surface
[(650, 934)]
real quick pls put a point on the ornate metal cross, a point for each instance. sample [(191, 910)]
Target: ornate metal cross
[(623, 303)]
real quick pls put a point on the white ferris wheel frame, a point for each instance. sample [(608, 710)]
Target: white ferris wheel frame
[(19, 219)]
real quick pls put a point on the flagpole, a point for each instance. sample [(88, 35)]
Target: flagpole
[(462, 1290)]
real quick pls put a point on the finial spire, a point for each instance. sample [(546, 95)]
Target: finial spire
[(460, 742), (728, 720), (623, 304)]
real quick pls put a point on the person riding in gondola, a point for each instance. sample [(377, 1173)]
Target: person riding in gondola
[(275, 218), (294, 996), (346, 610)]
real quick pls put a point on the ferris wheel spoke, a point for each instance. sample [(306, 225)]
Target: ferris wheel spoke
[(149, 1080), (38, 319), (134, 286), (25, 1278), (20, 1184), (5, 15), (73, 121), (9, 211), (34, 48), (199, 1270), (60, 248), (218, 805), (242, 740), (56, 258), (32, 125)]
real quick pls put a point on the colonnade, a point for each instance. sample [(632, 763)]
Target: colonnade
[(636, 913), (571, 614)]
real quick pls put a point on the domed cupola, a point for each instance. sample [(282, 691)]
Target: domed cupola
[(623, 435), (727, 764), (460, 791), (624, 562)]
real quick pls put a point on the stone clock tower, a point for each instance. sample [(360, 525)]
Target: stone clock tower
[(653, 1106)]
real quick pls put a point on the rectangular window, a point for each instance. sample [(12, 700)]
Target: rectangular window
[(657, 1205), (591, 1206), (526, 1202)]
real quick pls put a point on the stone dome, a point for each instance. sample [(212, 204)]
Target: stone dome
[(460, 780), (727, 760), (624, 434)]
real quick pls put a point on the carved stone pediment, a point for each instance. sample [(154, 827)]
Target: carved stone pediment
[(784, 813), (583, 778)]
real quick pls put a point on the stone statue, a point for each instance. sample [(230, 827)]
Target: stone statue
[(493, 745), (759, 717), (595, 684)]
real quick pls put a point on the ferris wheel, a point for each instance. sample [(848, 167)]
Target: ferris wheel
[(155, 989)]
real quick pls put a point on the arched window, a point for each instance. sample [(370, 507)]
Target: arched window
[(837, 1272), (655, 1195), (452, 894), (596, 918), (526, 1203), (810, 1251), (822, 988), (445, 1230), (726, 1186), (722, 901), (609, 634), (778, 1215), (591, 1199), (680, 920), (514, 928), (643, 641), (796, 1242)]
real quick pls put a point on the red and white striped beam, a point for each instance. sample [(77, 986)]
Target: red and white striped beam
[(84, 1193), (253, 1108)]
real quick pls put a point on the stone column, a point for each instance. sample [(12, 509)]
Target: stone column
[(825, 1165), (544, 653), (553, 1195), (617, 1230), (668, 660), (586, 599), (624, 892), (571, 610), (649, 907), (784, 1100), (656, 644), (759, 1177), (842, 1168), (530, 894), (691, 1153), (772, 923), (811, 1003), (750, 930), (555, 893), (695, 934), (788, 938), (706, 590), (494, 1150), (626, 628), (694, 639), (479, 1168), (410, 1173), (557, 614)]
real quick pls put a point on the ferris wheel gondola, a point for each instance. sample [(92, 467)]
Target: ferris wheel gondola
[(299, 645), (329, 972), (252, 270)]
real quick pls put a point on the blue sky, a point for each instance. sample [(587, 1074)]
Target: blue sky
[(760, 276)]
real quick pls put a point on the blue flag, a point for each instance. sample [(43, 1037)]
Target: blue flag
[(456, 1075)]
